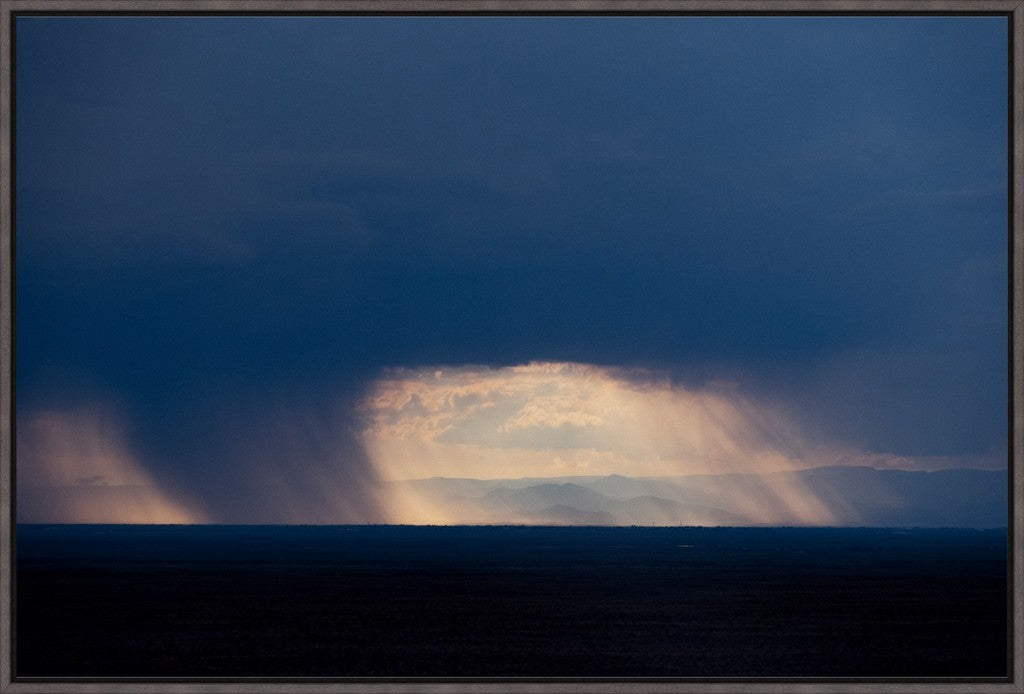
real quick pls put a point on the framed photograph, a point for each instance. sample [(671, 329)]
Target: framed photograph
[(527, 345)]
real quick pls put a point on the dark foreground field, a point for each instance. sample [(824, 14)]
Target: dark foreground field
[(509, 601)]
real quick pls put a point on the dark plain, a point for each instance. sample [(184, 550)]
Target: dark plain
[(400, 601)]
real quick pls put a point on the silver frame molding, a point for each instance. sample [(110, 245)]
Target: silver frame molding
[(1013, 9)]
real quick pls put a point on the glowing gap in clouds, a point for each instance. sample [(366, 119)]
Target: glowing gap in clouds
[(566, 419), (548, 419)]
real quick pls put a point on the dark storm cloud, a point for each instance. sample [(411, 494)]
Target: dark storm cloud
[(227, 209)]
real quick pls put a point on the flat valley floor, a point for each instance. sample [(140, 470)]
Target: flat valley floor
[(504, 602)]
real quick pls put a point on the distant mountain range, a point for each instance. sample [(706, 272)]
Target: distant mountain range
[(839, 495)]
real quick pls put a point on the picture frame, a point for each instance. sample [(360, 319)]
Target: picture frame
[(12, 10)]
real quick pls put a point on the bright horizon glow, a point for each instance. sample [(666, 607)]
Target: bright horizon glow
[(563, 419), (535, 420)]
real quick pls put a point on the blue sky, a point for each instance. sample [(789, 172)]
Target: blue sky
[(224, 223)]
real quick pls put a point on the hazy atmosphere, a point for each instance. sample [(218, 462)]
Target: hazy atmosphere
[(590, 270)]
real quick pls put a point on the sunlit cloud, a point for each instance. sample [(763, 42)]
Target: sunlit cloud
[(76, 467), (554, 418)]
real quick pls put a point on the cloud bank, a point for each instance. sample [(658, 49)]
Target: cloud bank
[(228, 266)]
